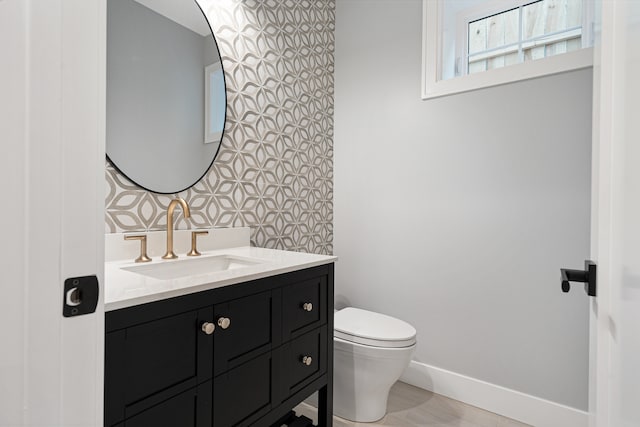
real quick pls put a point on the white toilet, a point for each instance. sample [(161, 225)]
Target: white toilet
[(371, 351)]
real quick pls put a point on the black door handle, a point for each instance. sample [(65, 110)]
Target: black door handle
[(586, 276)]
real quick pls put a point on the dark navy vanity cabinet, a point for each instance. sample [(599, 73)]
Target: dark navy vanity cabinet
[(239, 355)]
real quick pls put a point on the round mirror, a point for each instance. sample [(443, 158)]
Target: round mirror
[(166, 99)]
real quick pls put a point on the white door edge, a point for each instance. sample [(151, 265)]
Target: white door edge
[(53, 143), (615, 314)]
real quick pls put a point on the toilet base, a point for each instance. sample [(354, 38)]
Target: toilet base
[(362, 407), (363, 377)]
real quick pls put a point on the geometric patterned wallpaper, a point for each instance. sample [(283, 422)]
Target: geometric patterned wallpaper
[(274, 170)]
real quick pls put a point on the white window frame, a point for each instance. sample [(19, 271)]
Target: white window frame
[(432, 84)]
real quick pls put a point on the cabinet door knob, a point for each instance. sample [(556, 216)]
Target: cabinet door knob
[(307, 306), (224, 322), (307, 360), (208, 328)]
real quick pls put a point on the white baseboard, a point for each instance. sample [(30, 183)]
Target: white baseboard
[(500, 400)]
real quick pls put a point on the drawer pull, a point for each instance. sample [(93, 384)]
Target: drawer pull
[(307, 360), (307, 306), (208, 328), (224, 322)]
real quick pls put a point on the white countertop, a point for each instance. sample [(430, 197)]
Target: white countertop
[(126, 289)]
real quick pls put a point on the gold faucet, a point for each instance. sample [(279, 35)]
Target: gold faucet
[(170, 209)]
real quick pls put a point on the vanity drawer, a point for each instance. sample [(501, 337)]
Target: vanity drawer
[(248, 332), (304, 359), (304, 306)]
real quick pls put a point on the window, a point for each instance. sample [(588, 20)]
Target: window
[(215, 103), (471, 44)]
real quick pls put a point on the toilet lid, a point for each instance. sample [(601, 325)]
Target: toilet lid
[(375, 329)]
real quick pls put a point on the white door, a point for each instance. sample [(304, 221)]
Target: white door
[(615, 320), (52, 221)]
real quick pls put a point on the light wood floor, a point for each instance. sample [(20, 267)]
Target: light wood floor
[(410, 406)]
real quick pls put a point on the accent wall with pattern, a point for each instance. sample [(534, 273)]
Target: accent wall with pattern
[(274, 170)]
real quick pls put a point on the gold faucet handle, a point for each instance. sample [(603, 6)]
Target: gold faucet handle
[(194, 238), (143, 246)]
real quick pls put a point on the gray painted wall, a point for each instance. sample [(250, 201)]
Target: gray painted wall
[(274, 171), (456, 214)]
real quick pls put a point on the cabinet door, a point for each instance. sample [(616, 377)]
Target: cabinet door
[(304, 306), (243, 395), (192, 408), (147, 363), (248, 331)]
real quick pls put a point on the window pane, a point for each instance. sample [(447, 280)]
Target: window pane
[(493, 31), (477, 66), (502, 30), (551, 27), (511, 59), (478, 36), (574, 13), (533, 20), (563, 14), (534, 53), (550, 16), (491, 35)]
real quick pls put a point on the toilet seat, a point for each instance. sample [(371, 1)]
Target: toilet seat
[(372, 329)]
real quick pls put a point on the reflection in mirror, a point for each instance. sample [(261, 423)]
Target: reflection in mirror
[(166, 99)]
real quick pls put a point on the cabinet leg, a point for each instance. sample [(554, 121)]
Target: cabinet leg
[(325, 394), (325, 406)]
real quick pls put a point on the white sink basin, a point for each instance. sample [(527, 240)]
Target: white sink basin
[(175, 269)]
